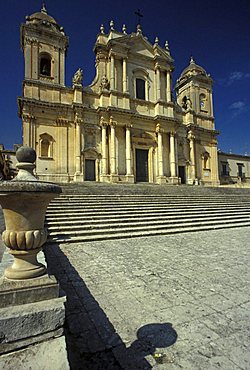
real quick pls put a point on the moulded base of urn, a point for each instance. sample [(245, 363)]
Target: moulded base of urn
[(25, 265)]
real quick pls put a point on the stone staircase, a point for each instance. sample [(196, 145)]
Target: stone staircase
[(87, 212)]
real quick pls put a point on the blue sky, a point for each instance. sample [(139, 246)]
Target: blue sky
[(216, 33)]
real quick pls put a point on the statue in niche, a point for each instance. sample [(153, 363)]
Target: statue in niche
[(186, 103), (78, 76), (104, 83)]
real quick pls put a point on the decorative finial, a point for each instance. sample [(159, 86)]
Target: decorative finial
[(167, 46), (44, 10), (124, 29), (139, 29), (102, 29), (112, 25), (26, 157), (192, 60), (156, 41)]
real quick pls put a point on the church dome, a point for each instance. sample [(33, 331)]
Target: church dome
[(41, 17), (193, 69)]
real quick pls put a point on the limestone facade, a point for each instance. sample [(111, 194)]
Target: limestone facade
[(234, 168), (124, 127)]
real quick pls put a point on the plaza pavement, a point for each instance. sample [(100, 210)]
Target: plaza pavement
[(182, 300)]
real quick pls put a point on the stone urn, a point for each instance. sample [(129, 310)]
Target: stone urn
[(24, 201)]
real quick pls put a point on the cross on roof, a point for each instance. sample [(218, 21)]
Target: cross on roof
[(139, 15)]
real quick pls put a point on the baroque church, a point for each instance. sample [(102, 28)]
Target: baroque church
[(124, 127)]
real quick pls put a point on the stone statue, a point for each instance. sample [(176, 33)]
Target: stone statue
[(77, 79), (104, 83), (186, 103)]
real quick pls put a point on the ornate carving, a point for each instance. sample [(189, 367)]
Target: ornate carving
[(159, 129), (61, 121), (27, 117), (24, 240), (112, 123), (190, 135), (78, 120)]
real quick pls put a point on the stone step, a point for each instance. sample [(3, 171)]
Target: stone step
[(147, 188), (98, 225), (142, 227), (142, 208), (107, 212), (134, 233), (81, 219)]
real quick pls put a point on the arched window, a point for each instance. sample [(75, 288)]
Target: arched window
[(45, 64), (141, 83), (46, 146), (206, 160), (140, 89), (202, 102)]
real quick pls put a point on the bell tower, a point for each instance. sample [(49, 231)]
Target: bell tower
[(44, 45), (194, 90)]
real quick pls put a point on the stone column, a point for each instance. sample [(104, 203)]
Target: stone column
[(172, 155), (168, 87), (112, 72), (124, 75), (192, 169), (113, 173), (160, 178), (160, 154), (214, 163), (104, 149), (129, 175), (158, 83)]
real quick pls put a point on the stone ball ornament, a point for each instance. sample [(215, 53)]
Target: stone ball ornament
[(26, 154), (24, 201)]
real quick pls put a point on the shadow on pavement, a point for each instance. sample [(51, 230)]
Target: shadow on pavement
[(91, 339)]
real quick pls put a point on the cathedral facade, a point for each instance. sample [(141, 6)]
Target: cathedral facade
[(124, 127)]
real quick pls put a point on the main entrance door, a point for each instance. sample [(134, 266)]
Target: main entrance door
[(89, 170), (182, 174), (141, 165)]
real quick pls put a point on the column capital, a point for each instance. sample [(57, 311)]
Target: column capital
[(27, 117), (190, 135), (102, 122), (78, 120), (158, 129), (112, 123), (128, 126), (172, 133)]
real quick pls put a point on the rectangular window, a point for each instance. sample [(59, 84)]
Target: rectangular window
[(225, 171), (140, 89), (240, 169)]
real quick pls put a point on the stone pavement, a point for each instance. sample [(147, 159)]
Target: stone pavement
[(182, 300)]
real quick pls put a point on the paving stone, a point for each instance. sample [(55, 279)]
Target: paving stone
[(196, 281)]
